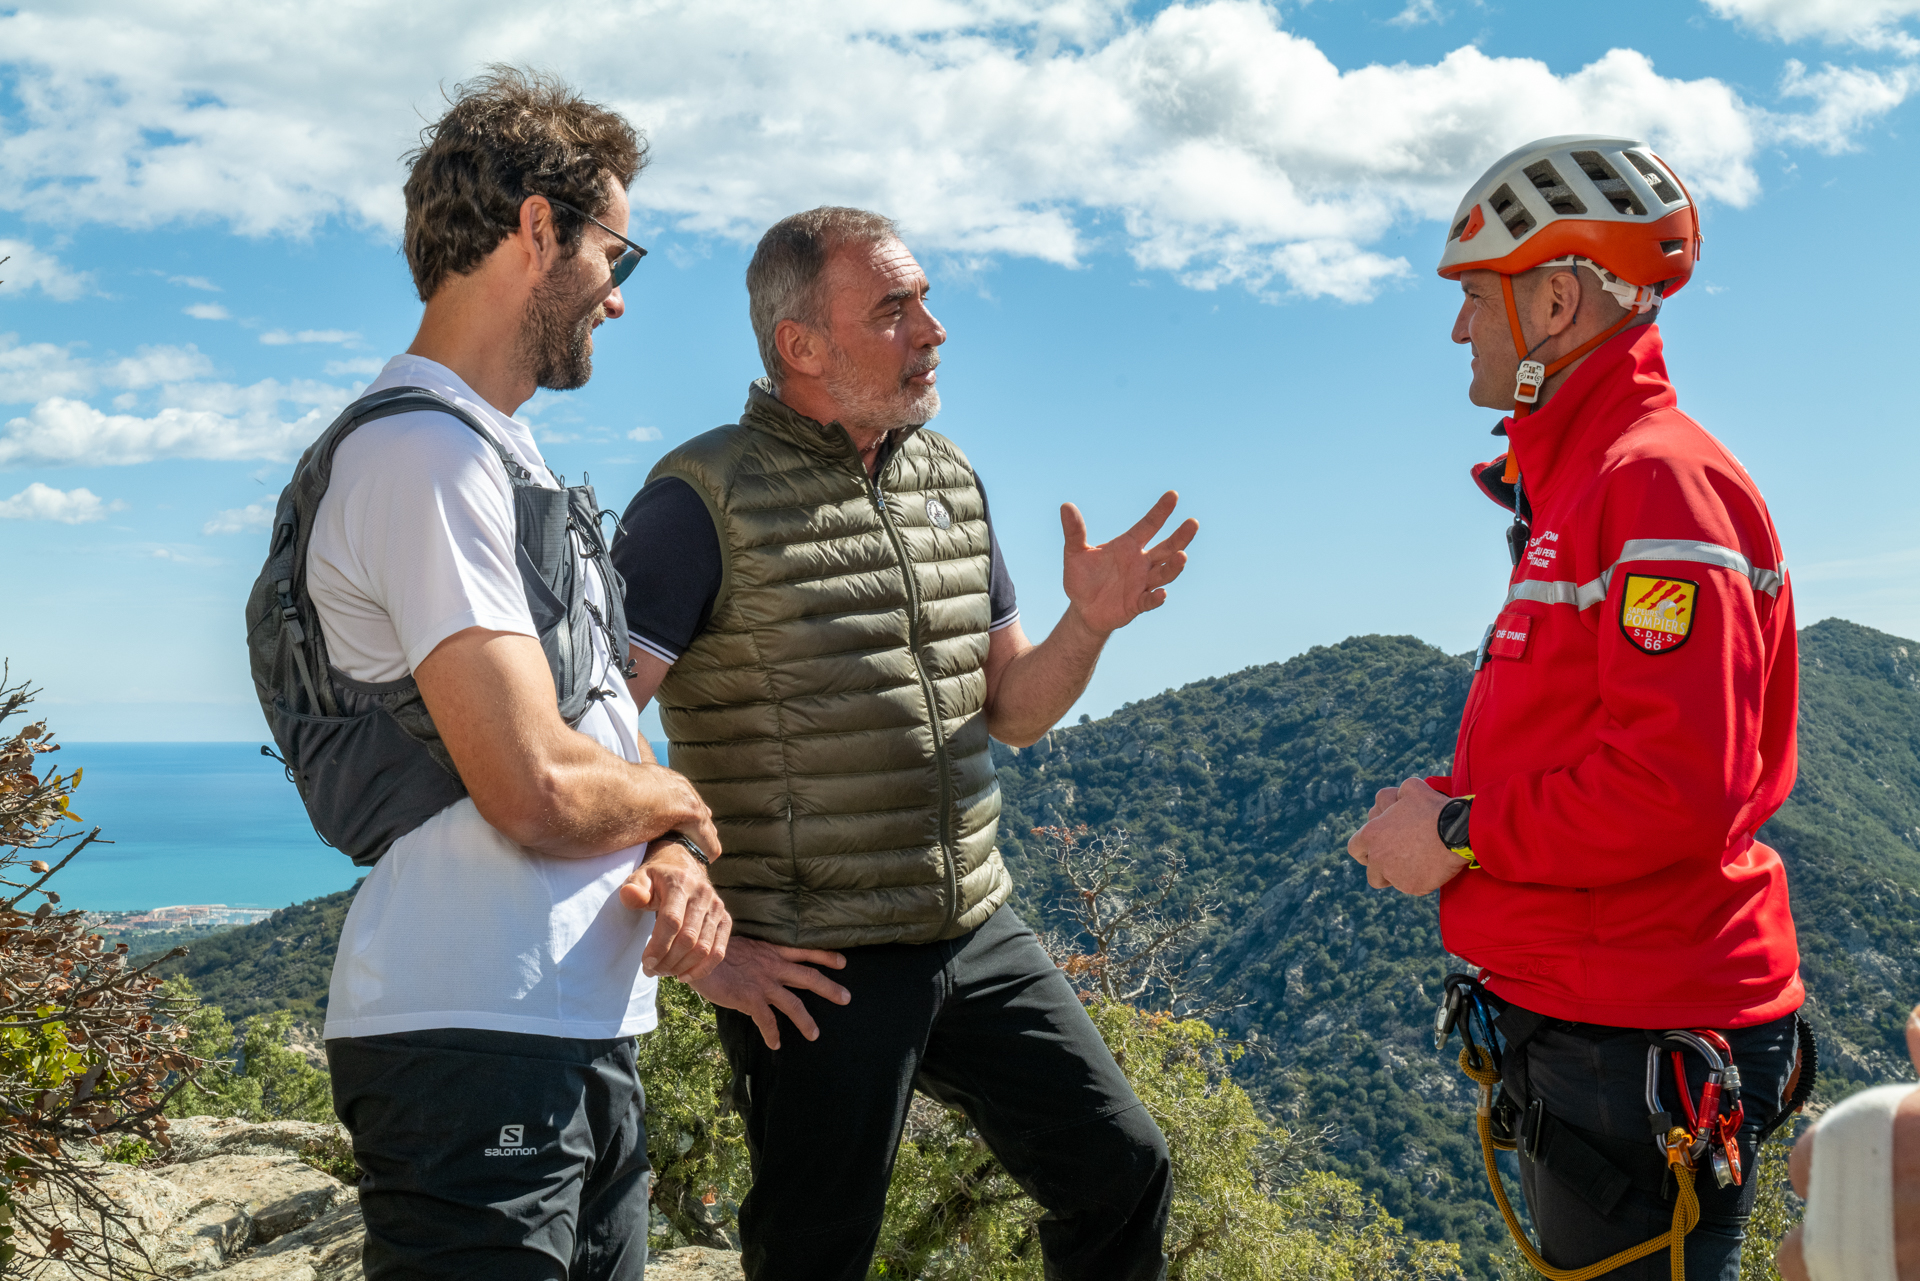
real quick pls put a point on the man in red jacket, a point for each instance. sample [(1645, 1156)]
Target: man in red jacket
[(1631, 720)]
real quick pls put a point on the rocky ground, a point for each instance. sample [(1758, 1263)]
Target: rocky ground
[(243, 1202)]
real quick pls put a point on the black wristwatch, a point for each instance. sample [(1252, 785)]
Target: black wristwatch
[(1453, 827), (685, 841)]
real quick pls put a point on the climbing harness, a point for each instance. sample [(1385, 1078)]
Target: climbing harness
[(1711, 1129)]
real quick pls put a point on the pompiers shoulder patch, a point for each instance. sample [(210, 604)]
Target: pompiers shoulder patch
[(1657, 613)]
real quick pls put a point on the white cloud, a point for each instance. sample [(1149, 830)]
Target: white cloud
[(197, 420), (361, 366), (281, 338), (1417, 13), (195, 282), (1873, 24), (69, 507), (1843, 98), (30, 268), (150, 366), (239, 519), (207, 311), (1204, 140), (644, 433), (36, 371)]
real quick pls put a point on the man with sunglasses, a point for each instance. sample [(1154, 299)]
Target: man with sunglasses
[(500, 956)]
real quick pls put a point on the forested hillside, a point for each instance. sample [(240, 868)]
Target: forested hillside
[(1259, 777), (281, 963)]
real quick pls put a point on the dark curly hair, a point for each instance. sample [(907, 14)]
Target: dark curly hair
[(509, 134)]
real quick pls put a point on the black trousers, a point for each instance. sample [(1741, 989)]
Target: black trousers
[(1593, 1079), (496, 1154), (984, 1023)]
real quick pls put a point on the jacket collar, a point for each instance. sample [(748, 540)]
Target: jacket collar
[(1622, 381), (768, 413)]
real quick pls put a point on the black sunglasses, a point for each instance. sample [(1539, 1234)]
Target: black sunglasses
[(623, 266)]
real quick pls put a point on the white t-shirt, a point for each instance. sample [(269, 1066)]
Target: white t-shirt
[(457, 926)]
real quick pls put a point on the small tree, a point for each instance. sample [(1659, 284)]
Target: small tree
[(89, 1048), (256, 1075), (1130, 931)]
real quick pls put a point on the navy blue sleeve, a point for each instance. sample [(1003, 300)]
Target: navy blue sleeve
[(668, 553), (1003, 607)]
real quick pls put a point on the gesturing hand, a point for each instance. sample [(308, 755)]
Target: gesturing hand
[(759, 977), (690, 923), (1110, 585)]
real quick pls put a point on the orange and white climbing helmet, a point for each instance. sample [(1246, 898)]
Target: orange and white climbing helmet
[(1608, 201), (1606, 204)]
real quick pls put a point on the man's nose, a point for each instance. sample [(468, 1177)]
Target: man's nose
[(1463, 324), (615, 306)]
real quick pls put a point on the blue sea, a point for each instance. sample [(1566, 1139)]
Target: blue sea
[(194, 823)]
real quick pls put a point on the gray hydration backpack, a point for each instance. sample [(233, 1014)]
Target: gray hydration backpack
[(366, 757)]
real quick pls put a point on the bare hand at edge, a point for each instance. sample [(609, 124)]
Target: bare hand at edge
[(757, 978), (1792, 1260)]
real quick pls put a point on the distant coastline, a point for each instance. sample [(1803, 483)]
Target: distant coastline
[(192, 826)]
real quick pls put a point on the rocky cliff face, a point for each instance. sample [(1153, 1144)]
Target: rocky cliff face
[(241, 1202)]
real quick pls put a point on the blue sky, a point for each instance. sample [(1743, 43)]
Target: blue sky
[(1174, 246)]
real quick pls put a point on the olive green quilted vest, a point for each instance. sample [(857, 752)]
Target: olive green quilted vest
[(832, 714)]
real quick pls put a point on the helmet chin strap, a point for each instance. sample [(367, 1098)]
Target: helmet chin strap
[(1531, 378)]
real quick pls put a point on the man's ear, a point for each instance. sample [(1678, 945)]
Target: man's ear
[(536, 236), (801, 349), (1565, 288)]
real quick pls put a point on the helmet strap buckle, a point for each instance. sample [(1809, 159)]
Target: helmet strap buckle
[(1527, 384)]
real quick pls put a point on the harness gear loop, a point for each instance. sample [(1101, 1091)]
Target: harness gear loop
[(1686, 1206)]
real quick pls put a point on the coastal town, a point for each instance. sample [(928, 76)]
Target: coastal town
[(155, 927)]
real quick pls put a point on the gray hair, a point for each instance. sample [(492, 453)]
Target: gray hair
[(783, 280)]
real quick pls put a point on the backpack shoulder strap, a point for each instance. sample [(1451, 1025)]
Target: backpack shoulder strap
[(283, 578)]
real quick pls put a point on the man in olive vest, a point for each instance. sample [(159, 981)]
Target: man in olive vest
[(816, 598)]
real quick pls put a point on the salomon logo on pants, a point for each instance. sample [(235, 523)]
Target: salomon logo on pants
[(510, 1143)]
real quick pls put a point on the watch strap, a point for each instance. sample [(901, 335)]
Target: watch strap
[(686, 842), (1453, 828)]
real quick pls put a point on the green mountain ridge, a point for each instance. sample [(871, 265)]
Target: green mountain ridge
[(1258, 777)]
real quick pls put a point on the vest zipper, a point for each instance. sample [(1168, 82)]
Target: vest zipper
[(933, 703)]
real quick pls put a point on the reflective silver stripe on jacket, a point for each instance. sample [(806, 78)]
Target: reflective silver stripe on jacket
[(1588, 594)]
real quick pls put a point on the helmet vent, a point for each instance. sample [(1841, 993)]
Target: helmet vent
[(1662, 189), (1508, 209), (1672, 246), (1558, 195), (1613, 188)]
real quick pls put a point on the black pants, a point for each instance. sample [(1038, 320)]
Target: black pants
[(497, 1155), (1594, 1079), (984, 1023)]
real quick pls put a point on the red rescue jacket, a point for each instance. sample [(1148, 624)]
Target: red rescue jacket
[(1631, 722)]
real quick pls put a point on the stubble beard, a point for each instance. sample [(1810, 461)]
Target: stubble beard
[(869, 408), (556, 339)]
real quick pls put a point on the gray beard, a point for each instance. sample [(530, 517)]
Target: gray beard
[(555, 343), (865, 408)]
